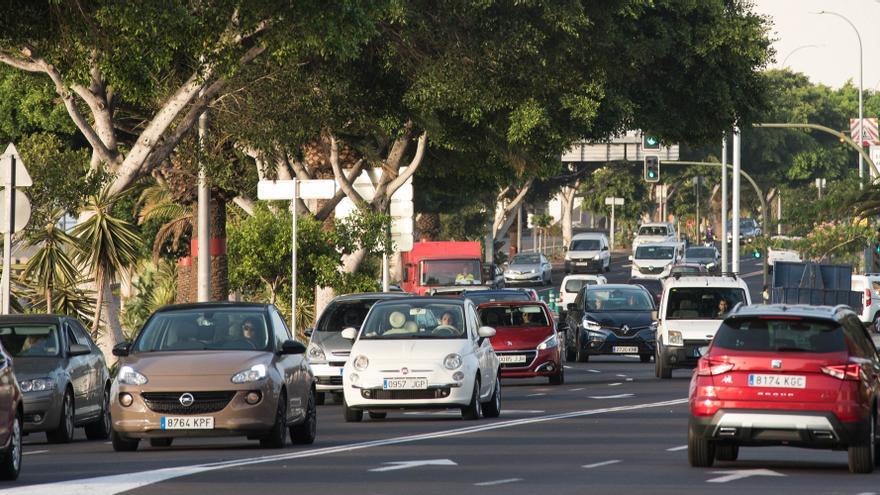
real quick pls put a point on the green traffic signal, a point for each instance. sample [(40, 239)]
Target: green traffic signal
[(652, 168), (756, 253), (650, 142)]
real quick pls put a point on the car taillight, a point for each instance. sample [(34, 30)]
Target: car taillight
[(843, 371), (708, 367), (867, 297)]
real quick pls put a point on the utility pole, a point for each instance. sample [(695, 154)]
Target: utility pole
[(697, 219), (778, 212), (724, 203), (734, 221), (203, 268)]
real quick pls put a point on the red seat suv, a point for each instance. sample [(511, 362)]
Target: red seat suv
[(803, 376)]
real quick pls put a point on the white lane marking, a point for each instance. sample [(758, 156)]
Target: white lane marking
[(594, 371), (753, 274), (575, 389), (618, 396), (114, 484), (676, 449), (35, 452), (521, 411), (740, 474), (498, 482), (536, 395), (629, 379), (867, 493), (615, 384), (397, 465), (624, 376), (566, 367), (433, 413), (600, 464)]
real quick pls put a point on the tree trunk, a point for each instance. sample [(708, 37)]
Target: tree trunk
[(99, 301), (566, 199), (219, 259)]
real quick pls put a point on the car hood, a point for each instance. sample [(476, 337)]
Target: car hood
[(331, 341), (395, 352), (617, 319), (645, 239), (35, 367), (519, 337), (700, 260), (583, 254), (524, 267), (195, 363), (694, 329), (651, 263)]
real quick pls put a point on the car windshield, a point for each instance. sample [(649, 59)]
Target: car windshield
[(479, 298), (526, 259), (206, 329), (31, 340), (655, 252), (599, 299), (702, 303), (685, 269), (778, 335), (451, 272), (531, 315), (585, 245), (342, 315), (576, 284), (653, 230), (699, 253), (414, 320)]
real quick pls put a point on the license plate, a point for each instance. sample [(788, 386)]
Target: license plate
[(187, 423), (625, 349), (405, 384), (582, 263), (511, 358), (778, 381)]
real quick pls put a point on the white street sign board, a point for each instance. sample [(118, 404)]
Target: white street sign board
[(614, 201), (317, 188), (275, 189), (22, 212), (22, 177), (402, 226), (283, 189), (875, 154)]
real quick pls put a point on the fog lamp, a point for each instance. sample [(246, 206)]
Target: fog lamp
[(253, 398), (126, 399)]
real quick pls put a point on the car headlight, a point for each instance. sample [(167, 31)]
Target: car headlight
[(315, 353), (37, 385), (128, 376), (452, 361), (548, 343), (532, 270), (361, 363), (710, 266), (597, 257), (256, 373), (592, 325), (675, 338)]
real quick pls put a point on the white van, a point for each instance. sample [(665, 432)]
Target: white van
[(691, 311), (588, 252), (654, 260), (653, 233), (869, 285), (572, 284)]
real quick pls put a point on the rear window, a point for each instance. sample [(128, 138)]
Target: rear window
[(531, 315), (780, 336), (346, 314), (479, 298), (577, 284)]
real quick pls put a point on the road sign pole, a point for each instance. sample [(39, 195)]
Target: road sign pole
[(9, 188), (734, 221), (293, 261), (724, 203), (612, 225)]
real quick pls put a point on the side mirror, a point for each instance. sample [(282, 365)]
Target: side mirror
[(120, 350), (349, 333), (654, 315), (308, 332), (79, 350), (293, 347), (572, 307), (604, 248), (486, 332)]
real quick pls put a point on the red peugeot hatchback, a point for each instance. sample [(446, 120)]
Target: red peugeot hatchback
[(525, 340), (804, 376)]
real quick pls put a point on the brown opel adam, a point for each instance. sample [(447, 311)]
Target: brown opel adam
[(213, 369)]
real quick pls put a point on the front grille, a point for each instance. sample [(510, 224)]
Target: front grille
[(530, 357), (203, 402), (405, 394), (337, 363), (341, 353), (651, 270), (633, 332), (329, 380)]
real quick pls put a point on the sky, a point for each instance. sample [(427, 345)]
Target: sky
[(834, 58)]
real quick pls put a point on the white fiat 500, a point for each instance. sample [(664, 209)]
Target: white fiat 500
[(421, 353)]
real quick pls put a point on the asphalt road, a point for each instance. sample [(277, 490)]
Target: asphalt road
[(611, 428)]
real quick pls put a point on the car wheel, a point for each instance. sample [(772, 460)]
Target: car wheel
[(305, 432), (569, 352), (161, 442), (319, 398), (338, 398), (378, 415), (474, 410), (876, 325), (352, 415), (123, 444), (645, 358), (492, 408), (580, 354), (559, 377), (10, 465), (64, 432), (661, 369), (100, 429), (701, 452), (861, 456), (276, 437), (726, 451)]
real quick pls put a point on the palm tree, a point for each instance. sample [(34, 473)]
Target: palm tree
[(51, 266), (157, 203), (107, 245)]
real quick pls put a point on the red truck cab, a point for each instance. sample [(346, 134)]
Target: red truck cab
[(431, 265)]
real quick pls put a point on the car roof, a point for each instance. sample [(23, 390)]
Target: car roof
[(32, 318), (664, 243), (213, 304), (421, 299), (589, 235), (511, 303), (706, 281), (655, 224), (609, 286), (802, 310), (359, 296), (582, 276)]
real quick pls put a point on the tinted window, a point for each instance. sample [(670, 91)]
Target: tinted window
[(31, 340), (526, 259), (789, 335), (585, 245), (415, 320), (214, 329), (576, 284), (599, 299), (479, 297), (655, 287), (82, 335), (531, 315), (282, 333), (653, 230), (655, 252), (699, 253), (344, 314), (702, 303)]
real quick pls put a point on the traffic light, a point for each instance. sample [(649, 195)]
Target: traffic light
[(650, 142), (756, 253), (652, 168)]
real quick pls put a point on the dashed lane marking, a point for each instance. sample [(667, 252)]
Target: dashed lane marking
[(676, 449), (575, 389), (33, 452), (498, 482), (600, 464), (615, 384)]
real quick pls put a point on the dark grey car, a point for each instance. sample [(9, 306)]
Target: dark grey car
[(63, 377), (707, 256), (327, 350)]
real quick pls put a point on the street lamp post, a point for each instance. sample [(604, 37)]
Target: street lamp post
[(861, 135), (797, 50)]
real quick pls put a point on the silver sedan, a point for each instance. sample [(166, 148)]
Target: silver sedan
[(529, 268)]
